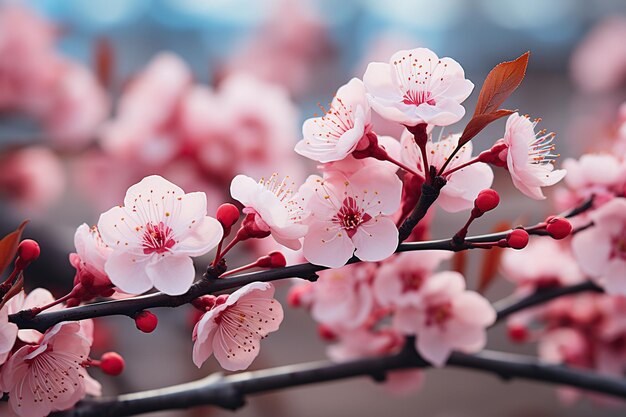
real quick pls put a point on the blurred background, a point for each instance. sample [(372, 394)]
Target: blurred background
[(96, 94)]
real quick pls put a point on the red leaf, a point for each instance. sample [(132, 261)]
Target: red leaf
[(500, 83), (479, 122), (8, 246), (491, 262)]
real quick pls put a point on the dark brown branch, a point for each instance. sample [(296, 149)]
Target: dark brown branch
[(512, 305), (230, 391), (430, 193)]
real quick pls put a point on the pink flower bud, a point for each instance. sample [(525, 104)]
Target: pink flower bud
[(517, 333), (272, 260), (558, 227), (487, 200), (146, 321), (112, 363), (27, 251), (517, 239), (227, 214)]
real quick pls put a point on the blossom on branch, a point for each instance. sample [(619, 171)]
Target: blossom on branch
[(274, 204), (336, 134), (529, 156), (351, 215), (154, 234), (418, 87), (50, 375), (232, 330), (463, 185), (448, 318)]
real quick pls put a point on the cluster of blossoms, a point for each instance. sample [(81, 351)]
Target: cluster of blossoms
[(351, 217)]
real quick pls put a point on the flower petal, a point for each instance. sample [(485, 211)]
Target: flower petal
[(376, 239), (172, 274), (128, 272)]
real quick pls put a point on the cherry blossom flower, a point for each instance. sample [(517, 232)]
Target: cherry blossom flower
[(365, 343), (22, 301), (543, 263), (8, 334), (343, 298), (462, 186), (418, 87), (601, 249), (274, 202), (399, 281), (32, 178), (232, 331), (153, 236), (529, 156), (50, 375), (449, 318), (351, 215), (89, 261), (336, 134)]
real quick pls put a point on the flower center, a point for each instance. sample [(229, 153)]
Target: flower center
[(157, 238), (619, 245), (350, 216), (438, 314), (418, 97), (540, 150), (411, 281)]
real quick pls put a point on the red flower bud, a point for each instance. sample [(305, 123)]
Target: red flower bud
[(517, 239), (146, 321), (517, 333), (326, 333), (221, 299), (272, 260), (487, 200), (112, 363), (227, 214), (204, 303), (27, 251), (558, 227)]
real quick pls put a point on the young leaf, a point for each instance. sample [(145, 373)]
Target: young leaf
[(503, 79), (8, 246), (480, 122)]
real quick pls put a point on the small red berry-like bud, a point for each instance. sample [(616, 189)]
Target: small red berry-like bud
[(204, 303), (487, 200), (517, 333), (227, 214), (112, 363), (558, 227), (27, 251), (326, 333), (146, 321), (272, 260), (299, 295), (517, 239)]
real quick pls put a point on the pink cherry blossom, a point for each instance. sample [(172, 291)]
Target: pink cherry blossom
[(232, 331), (449, 318), (336, 134), (399, 281), (49, 375), (351, 215), (8, 334), (153, 236), (89, 261), (343, 298), (418, 87), (601, 249), (143, 131), (32, 178), (365, 343), (543, 263), (21, 301), (349, 165), (79, 105), (529, 157), (274, 201), (462, 186)]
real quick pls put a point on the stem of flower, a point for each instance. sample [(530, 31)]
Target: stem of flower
[(461, 166)]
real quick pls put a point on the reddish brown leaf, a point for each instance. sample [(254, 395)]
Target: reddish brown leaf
[(459, 262), (503, 79), (479, 122), (104, 62), (8, 246), (491, 262)]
